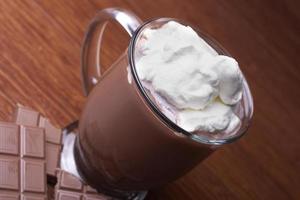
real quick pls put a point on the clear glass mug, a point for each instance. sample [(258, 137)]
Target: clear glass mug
[(125, 144)]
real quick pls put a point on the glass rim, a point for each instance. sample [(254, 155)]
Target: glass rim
[(169, 123)]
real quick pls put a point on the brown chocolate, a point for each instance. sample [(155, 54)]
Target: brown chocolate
[(129, 148), (53, 158), (53, 134), (8, 195), (53, 145), (22, 162), (69, 187), (26, 116)]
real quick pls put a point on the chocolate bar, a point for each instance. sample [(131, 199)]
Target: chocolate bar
[(53, 145), (69, 187), (22, 162), (27, 116), (46, 146)]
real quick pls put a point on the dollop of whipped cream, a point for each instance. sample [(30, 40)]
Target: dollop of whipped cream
[(193, 85)]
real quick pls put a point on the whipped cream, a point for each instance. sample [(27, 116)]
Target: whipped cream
[(193, 85)]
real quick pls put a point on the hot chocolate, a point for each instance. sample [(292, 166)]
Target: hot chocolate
[(122, 144), (127, 142)]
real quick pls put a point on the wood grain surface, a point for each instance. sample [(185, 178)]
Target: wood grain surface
[(39, 67)]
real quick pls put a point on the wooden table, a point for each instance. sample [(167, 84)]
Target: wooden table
[(39, 67)]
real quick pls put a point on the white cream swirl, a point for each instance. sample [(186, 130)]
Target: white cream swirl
[(193, 85)]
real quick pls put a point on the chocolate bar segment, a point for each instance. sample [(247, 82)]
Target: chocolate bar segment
[(9, 164), (69, 187), (9, 173), (26, 116), (52, 158), (70, 182), (53, 134), (53, 145), (9, 138), (30, 182), (22, 163), (33, 197), (33, 142), (65, 195), (33, 159), (8, 195)]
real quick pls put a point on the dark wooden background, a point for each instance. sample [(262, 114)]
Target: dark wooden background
[(39, 67)]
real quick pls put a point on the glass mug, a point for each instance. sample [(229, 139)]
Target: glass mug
[(125, 144)]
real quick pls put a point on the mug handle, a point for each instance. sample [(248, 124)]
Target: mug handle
[(90, 51)]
